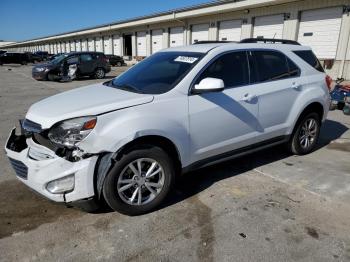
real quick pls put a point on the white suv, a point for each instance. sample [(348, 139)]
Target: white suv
[(124, 141)]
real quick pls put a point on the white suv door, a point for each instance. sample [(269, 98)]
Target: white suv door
[(278, 84), (221, 122)]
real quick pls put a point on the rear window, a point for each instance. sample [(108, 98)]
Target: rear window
[(309, 57), (270, 65)]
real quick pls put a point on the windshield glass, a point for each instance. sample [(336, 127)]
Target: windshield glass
[(59, 59), (157, 74)]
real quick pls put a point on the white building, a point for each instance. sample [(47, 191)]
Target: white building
[(5, 43), (322, 24)]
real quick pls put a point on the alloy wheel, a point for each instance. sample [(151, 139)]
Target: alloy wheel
[(308, 133), (141, 181)]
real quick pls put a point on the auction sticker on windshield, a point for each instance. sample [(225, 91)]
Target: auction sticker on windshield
[(186, 59)]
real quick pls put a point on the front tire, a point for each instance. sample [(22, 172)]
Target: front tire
[(99, 73), (140, 181), (119, 64), (304, 138)]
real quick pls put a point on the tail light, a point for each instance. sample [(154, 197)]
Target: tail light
[(329, 82), (105, 59)]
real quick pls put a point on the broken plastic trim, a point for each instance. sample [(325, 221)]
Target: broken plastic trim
[(103, 166), (16, 143)]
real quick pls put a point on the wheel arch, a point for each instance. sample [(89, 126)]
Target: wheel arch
[(315, 106), (106, 161)]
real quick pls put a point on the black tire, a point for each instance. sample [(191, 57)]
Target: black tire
[(99, 73), (110, 191), (298, 146), (24, 63), (51, 77), (119, 64)]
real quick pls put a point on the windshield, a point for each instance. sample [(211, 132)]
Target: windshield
[(157, 74), (59, 59)]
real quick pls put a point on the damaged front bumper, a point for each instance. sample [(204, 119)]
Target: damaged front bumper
[(37, 166)]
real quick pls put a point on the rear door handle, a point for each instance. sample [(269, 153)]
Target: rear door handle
[(248, 97)]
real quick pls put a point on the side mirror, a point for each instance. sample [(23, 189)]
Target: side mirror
[(209, 84)]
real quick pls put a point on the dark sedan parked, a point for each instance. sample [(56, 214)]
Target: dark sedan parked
[(93, 64), (115, 60), (32, 57), (13, 58)]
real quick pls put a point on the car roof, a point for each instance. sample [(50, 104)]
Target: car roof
[(83, 52), (206, 47)]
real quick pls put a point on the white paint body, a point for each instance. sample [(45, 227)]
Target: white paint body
[(200, 126)]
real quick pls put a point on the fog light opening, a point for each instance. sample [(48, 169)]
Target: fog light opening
[(62, 185)]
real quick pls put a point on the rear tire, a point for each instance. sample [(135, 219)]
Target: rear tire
[(99, 73), (130, 189), (119, 64), (305, 136)]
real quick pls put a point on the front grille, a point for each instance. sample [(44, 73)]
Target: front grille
[(20, 168), (31, 126)]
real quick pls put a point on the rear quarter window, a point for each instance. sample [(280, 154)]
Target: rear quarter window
[(309, 57)]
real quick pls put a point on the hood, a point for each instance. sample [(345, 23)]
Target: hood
[(86, 101), (45, 65)]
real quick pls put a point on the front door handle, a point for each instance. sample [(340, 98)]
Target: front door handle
[(248, 98)]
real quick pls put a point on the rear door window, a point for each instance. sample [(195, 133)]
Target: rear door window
[(232, 68), (269, 66), (309, 57), (85, 57)]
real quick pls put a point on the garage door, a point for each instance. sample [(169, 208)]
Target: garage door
[(84, 45), (176, 36), (72, 46), (269, 26), (320, 29), (77, 45), (67, 47), (230, 30), (200, 33), (157, 40), (63, 47), (107, 45), (91, 44), (116, 45), (141, 44), (98, 44)]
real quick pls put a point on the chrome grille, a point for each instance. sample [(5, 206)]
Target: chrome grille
[(20, 168)]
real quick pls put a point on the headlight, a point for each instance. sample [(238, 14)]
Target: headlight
[(39, 69), (70, 132)]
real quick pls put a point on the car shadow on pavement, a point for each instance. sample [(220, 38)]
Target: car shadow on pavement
[(194, 182)]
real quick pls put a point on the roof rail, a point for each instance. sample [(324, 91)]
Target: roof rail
[(269, 41), (211, 42)]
